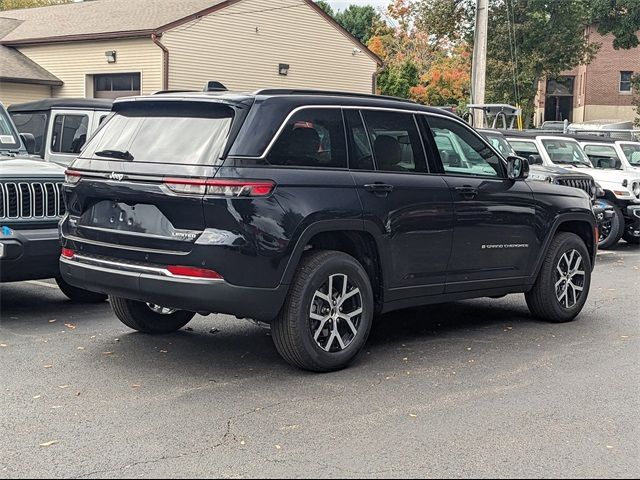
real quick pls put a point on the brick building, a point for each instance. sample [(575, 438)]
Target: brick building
[(598, 91)]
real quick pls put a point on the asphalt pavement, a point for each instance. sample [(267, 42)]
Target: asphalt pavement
[(468, 389)]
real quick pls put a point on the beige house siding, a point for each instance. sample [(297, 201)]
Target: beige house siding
[(11, 93), (243, 44), (72, 62)]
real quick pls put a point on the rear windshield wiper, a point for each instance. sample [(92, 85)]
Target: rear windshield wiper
[(120, 155)]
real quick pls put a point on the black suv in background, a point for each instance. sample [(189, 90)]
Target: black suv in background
[(313, 212)]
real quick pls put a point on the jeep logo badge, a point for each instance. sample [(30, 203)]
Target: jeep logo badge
[(118, 177)]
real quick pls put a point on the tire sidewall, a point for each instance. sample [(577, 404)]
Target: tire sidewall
[(617, 228), (338, 265)]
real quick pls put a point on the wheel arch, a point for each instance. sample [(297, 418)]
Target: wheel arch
[(357, 239), (579, 224)]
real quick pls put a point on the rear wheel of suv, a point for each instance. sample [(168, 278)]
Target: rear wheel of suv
[(562, 288), (612, 230), (148, 318), (79, 295), (327, 316)]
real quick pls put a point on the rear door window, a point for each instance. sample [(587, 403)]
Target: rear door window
[(69, 133), (164, 132), (360, 151), (397, 145), (312, 137)]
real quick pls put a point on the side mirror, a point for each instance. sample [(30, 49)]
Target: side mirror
[(517, 168), (600, 193), (29, 142), (535, 160)]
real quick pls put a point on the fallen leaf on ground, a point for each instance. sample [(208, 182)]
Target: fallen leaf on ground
[(63, 386), (78, 394), (81, 348), (413, 415), (135, 386), (52, 321), (3, 345), (242, 442), (189, 329), (107, 353), (48, 366), (278, 447), (70, 326), (163, 351), (213, 331), (49, 444), (37, 397)]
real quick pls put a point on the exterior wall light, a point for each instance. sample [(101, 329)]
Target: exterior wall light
[(111, 56), (283, 69)]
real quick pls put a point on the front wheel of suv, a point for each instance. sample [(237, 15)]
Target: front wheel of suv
[(148, 318), (327, 316), (563, 284), (612, 230)]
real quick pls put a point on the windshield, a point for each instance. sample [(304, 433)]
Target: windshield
[(164, 132), (9, 139), (632, 152), (501, 144), (565, 152)]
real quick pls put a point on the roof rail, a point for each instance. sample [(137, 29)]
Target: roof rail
[(285, 91), (163, 92)]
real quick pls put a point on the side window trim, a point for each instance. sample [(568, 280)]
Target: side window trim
[(53, 139), (427, 165)]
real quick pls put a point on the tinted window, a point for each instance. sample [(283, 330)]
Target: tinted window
[(397, 146), (603, 156), (360, 153), (462, 152), (69, 133), (34, 123), (632, 152), (312, 138), (167, 132)]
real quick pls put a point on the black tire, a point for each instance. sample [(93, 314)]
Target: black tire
[(543, 300), (79, 295), (139, 316), (630, 239), (292, 330), (614, 227)]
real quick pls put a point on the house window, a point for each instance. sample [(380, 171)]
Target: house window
[(625, 81), (116, 85)]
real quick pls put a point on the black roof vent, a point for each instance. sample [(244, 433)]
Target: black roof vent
[(215, 87)]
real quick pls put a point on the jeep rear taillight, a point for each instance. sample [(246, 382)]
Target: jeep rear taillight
[(220, 187)]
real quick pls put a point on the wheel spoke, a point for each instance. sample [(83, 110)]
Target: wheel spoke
[(323, 296), (340, 340), (318, 318), (331, 289), (345, 285), (330, 341), (347, 296), (351, 325), (559, 282), (576, 287), (353, 314)]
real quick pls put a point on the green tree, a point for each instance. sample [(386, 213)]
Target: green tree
[(326, 7), (620, 18), (398, 78), (530, 40), (360, 21), (17, 4), (635, 81)]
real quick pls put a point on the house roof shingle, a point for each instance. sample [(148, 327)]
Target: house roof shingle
[(98, 17), (16, 67)]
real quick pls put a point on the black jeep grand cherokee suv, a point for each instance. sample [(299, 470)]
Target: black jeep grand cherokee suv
[(313, 212)]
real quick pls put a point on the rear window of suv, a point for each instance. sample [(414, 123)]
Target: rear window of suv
[(164, 132)]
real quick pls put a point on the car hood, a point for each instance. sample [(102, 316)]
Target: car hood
[(22, 166)]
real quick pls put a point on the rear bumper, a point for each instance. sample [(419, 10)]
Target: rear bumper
[(29, 254), (206, 296)]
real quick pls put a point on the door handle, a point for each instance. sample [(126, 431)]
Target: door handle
[(382, 189), (469, 193)]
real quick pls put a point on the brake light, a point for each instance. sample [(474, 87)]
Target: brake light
[(68, 253), (72, 177), (221, 187), (193, 272)]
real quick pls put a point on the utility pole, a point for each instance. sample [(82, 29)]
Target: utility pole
[(479, 69)]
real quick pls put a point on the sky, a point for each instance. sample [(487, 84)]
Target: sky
[(341, 4)]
